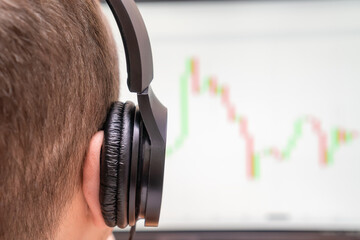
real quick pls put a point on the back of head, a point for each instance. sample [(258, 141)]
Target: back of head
[(58, 77)]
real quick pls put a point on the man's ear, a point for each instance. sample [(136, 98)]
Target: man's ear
[(91, 179)]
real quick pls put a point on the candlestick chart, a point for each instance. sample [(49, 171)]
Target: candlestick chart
[(190, 84), (263, 120)]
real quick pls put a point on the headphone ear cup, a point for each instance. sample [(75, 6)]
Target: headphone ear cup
[(127, 129), (115, 164), (109, 163)]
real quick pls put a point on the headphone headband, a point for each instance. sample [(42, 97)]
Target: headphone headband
[(136, 44)]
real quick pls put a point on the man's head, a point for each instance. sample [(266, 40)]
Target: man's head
[(58, 77)]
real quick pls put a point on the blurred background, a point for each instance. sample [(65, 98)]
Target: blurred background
[(264, 121)]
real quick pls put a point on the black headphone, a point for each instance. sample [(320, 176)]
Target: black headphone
[(133, 152)]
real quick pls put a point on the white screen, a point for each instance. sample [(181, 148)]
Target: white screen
[(264, 120)]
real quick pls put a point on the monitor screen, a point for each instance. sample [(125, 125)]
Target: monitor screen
[(264, 121)]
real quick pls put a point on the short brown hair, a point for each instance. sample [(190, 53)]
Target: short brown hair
[(58, 77)]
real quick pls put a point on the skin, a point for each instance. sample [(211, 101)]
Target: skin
[(82, 219)]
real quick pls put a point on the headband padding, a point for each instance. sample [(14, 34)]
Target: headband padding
[(127, 127), (109, 163)]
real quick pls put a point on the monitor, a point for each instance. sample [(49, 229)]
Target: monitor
[(264, 121)]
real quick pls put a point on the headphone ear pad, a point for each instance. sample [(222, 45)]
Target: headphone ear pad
[(115, 164), (127, 129), (109, 163)]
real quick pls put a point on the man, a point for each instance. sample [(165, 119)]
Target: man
[(58, 77)]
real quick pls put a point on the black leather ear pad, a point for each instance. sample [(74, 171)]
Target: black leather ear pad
[(109, 163), (115, 164), (127, 127)]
